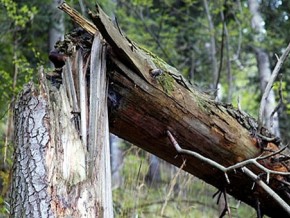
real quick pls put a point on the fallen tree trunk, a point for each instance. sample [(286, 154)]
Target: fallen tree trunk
[(144, 105), (147, 107)]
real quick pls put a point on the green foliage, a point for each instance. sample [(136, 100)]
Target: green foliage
[(19, 57), (13, 83), (142, 3), (19, 15), (164, 31), (23, 49)]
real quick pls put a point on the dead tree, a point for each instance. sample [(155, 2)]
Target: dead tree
[(150, 105)]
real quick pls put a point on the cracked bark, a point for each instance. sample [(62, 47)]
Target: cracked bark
[(29, 196)]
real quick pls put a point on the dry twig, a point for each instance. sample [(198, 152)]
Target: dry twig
[(171, 187), (242, 166), (280, 103), (270, 84), (253, 161)]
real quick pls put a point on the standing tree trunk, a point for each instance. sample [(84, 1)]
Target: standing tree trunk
[(263, 63), (62, 157), (56, 29), (153, 176), (214, 62), (116, 161)]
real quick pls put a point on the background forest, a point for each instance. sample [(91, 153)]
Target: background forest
[(225, 48)]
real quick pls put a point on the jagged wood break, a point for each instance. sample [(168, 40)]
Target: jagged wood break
[(62, 162)]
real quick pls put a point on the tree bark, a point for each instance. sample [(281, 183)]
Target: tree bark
[(62, 167), (29, 184)]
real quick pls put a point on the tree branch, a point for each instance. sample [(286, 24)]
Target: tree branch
[(270, 191), (232, 167), (243, 167), (270, 84)]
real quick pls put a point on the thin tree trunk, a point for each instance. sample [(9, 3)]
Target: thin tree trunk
[(56, 30), (265, 73), (214, 62), (153, 176), (116, 161), (264, 68)]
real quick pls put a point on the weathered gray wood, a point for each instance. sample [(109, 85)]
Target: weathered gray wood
[(83, 97), (98, 141)]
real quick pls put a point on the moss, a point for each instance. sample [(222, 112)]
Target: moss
[(203, 105), (160, 63), (167, 82), (165, 79)]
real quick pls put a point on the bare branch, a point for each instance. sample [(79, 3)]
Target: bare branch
[(270, 84), (171, 187), (259, 214), (227, 169), (226, 207), (272, 154), (266, 188), (280, 103), (244, 169), (194, 154)]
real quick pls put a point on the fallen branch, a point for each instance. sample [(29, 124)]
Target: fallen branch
[(233, 167), (242, 166), (270, 191)]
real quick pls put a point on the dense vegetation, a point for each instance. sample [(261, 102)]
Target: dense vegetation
[(180, 32)]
